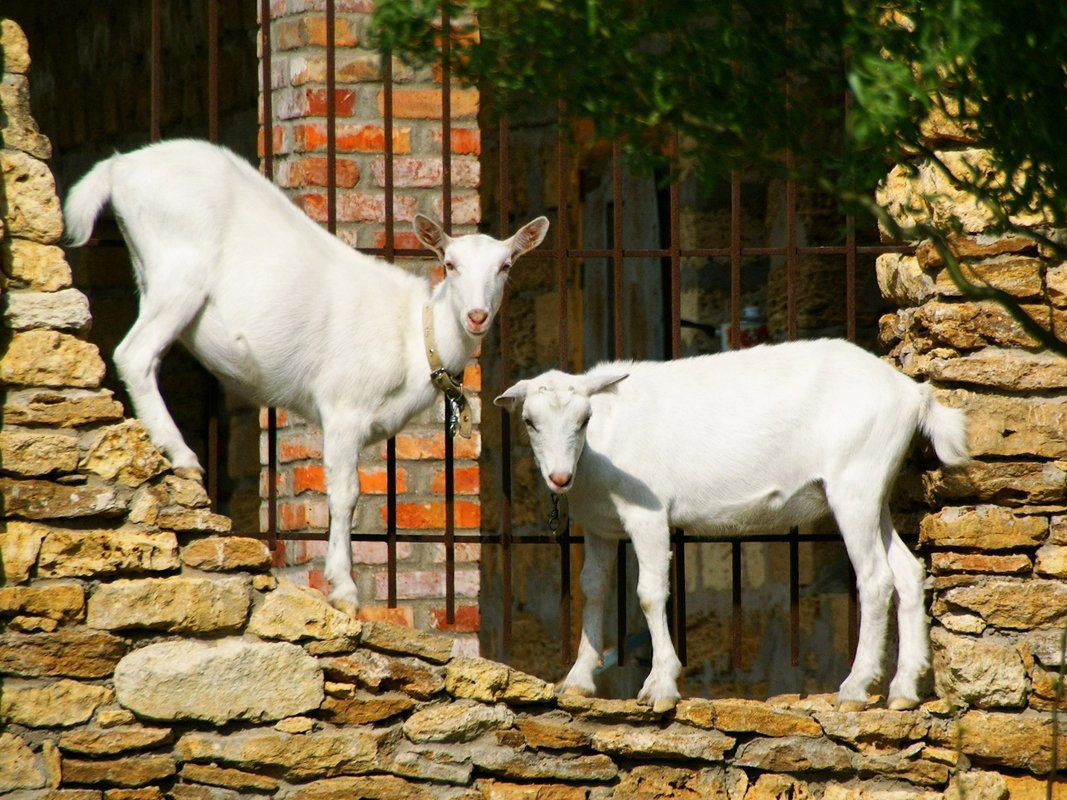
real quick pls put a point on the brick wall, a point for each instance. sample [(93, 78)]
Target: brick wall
[(299, 145)]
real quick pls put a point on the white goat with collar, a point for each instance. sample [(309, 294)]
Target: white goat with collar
[(282, 311), (751, 440)]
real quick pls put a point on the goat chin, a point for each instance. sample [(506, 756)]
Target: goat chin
[(278, 308)]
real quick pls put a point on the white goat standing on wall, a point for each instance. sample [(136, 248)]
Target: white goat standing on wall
[(282, 311), (751, 440)]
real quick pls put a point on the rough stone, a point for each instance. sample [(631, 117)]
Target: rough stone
[(1008, 483), (1010, 564), (235, 779), (62, 602), (674, 741), (70, 553), (1007, 603), (370, 787), (524, 765), (51, 358), (654, 782), (1012, 426), (91, 742), (124, 453), (902, 280), (1051, 561), (1019, 740), (66, 309), (794, 754), (293, 614), (20, 767), (1017, 275), (501, 790), (606, 710), (178, 604), (875, 725), (363, 707), (744, 716), (985, 527), (61, 704), (19, 129), (402, 640), (375, 672), (37, 499), (29, 265), (19, 545), (555, 730), (476, 679), (219, 553), (443, 763), (33, 211), (69, 653), (219, 682), (131, 771), (984, 673), (37, 453), (64, 408), (1010, 369), (300, 757), (456, 722)]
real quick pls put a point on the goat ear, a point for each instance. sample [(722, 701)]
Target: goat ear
[(513, 397), (528, 236), (598, 383), (431, 234)]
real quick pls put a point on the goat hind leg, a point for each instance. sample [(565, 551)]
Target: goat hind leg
[(596, 568), (913, 654), (137, 359), (341, 443)]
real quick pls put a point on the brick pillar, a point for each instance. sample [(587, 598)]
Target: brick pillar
[(299, 141)]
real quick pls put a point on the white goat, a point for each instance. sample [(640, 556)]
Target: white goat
[(284, 312), (750, 440)]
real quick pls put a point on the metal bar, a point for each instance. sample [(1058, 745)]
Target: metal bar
[(155, 73), (268, 171), (331, 117), (680, 632), (213, 70), (791, 251), (446, 214), (674, 199), (620, 602), (735, 619), (850, 278), (616, 249), (450, 521), (561, 289), (505, 418), (390, 522), (735, 257), (214, 396), (794, 596)]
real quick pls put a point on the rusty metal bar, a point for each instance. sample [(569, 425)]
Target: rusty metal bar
[(618, 314), (155, 73), (390, 522), (736, 619), (331, 116), (680, 632), (389, 253), (735, 257), (213, 70), (620, 602), (446, 214), (791, 251), (268, 171), (674, 248), (561, 288), (214, 395), (506, 524), (794, 596)]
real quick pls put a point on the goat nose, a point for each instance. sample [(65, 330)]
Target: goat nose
[(560, 480), (478, 316)]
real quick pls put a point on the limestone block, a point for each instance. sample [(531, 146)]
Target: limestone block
[(68, 653), (981, 672), (344, 788), (674, 741), (62, 704), (973, 324), (75, 553), (361, 707), (506, 762), (377, 672), (67, 408), (235, 779), (1017, 275), (1051, 561), (15, 46), (902, 281), (1011, 739), (985, 527), (67, 309), (37, 499), (1008, 603), (794, 754), (1011, 369), (19, 546), (219, 553), (19, 130), (747, 716), (29, 265), (443, 763), (119, 739), (62, 602), (293, 614), (300, 757), (123, 452), (20, 767), (32, 210), (130, 771), (218, 682), (875, 725), (1008, 483), (37, 453), (1012, 426), (194, 520), (179, 604), (603, 710), (51, 358), (456, 722), (392, 638), (554, 730), (187, 492)]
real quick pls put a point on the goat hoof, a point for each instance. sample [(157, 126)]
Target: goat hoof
[(851, 705), (662, 705), (573, 691), (902, 704), (189, 473)]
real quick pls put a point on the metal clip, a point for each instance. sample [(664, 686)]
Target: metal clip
[(453, 416), (553, 516)]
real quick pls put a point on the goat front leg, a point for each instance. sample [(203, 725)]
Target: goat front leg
[(596, 569), (341, 443), (651, 540)]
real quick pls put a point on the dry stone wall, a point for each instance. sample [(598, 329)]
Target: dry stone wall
[(146, 653)]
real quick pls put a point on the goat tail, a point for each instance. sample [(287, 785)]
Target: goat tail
[(946, 428), (84, 203)]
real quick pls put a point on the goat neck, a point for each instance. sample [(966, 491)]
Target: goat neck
[(453, 342)]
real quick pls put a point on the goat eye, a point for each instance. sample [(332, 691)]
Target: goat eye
[(451, 267), (582, 425), (506, 265), (529, 423)]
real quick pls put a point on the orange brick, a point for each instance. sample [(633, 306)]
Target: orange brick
[(400, 616), (980, 562), (468, 514), (314, 104), (466, 480), (314, 205), (309, 479), (275, 141), (468, 619), (299, 447), (375, 480), (472, 377), (419, 584), (401, 240), (414, 447), (426, 103), (378, 552), (462, 141), (312, 171)]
